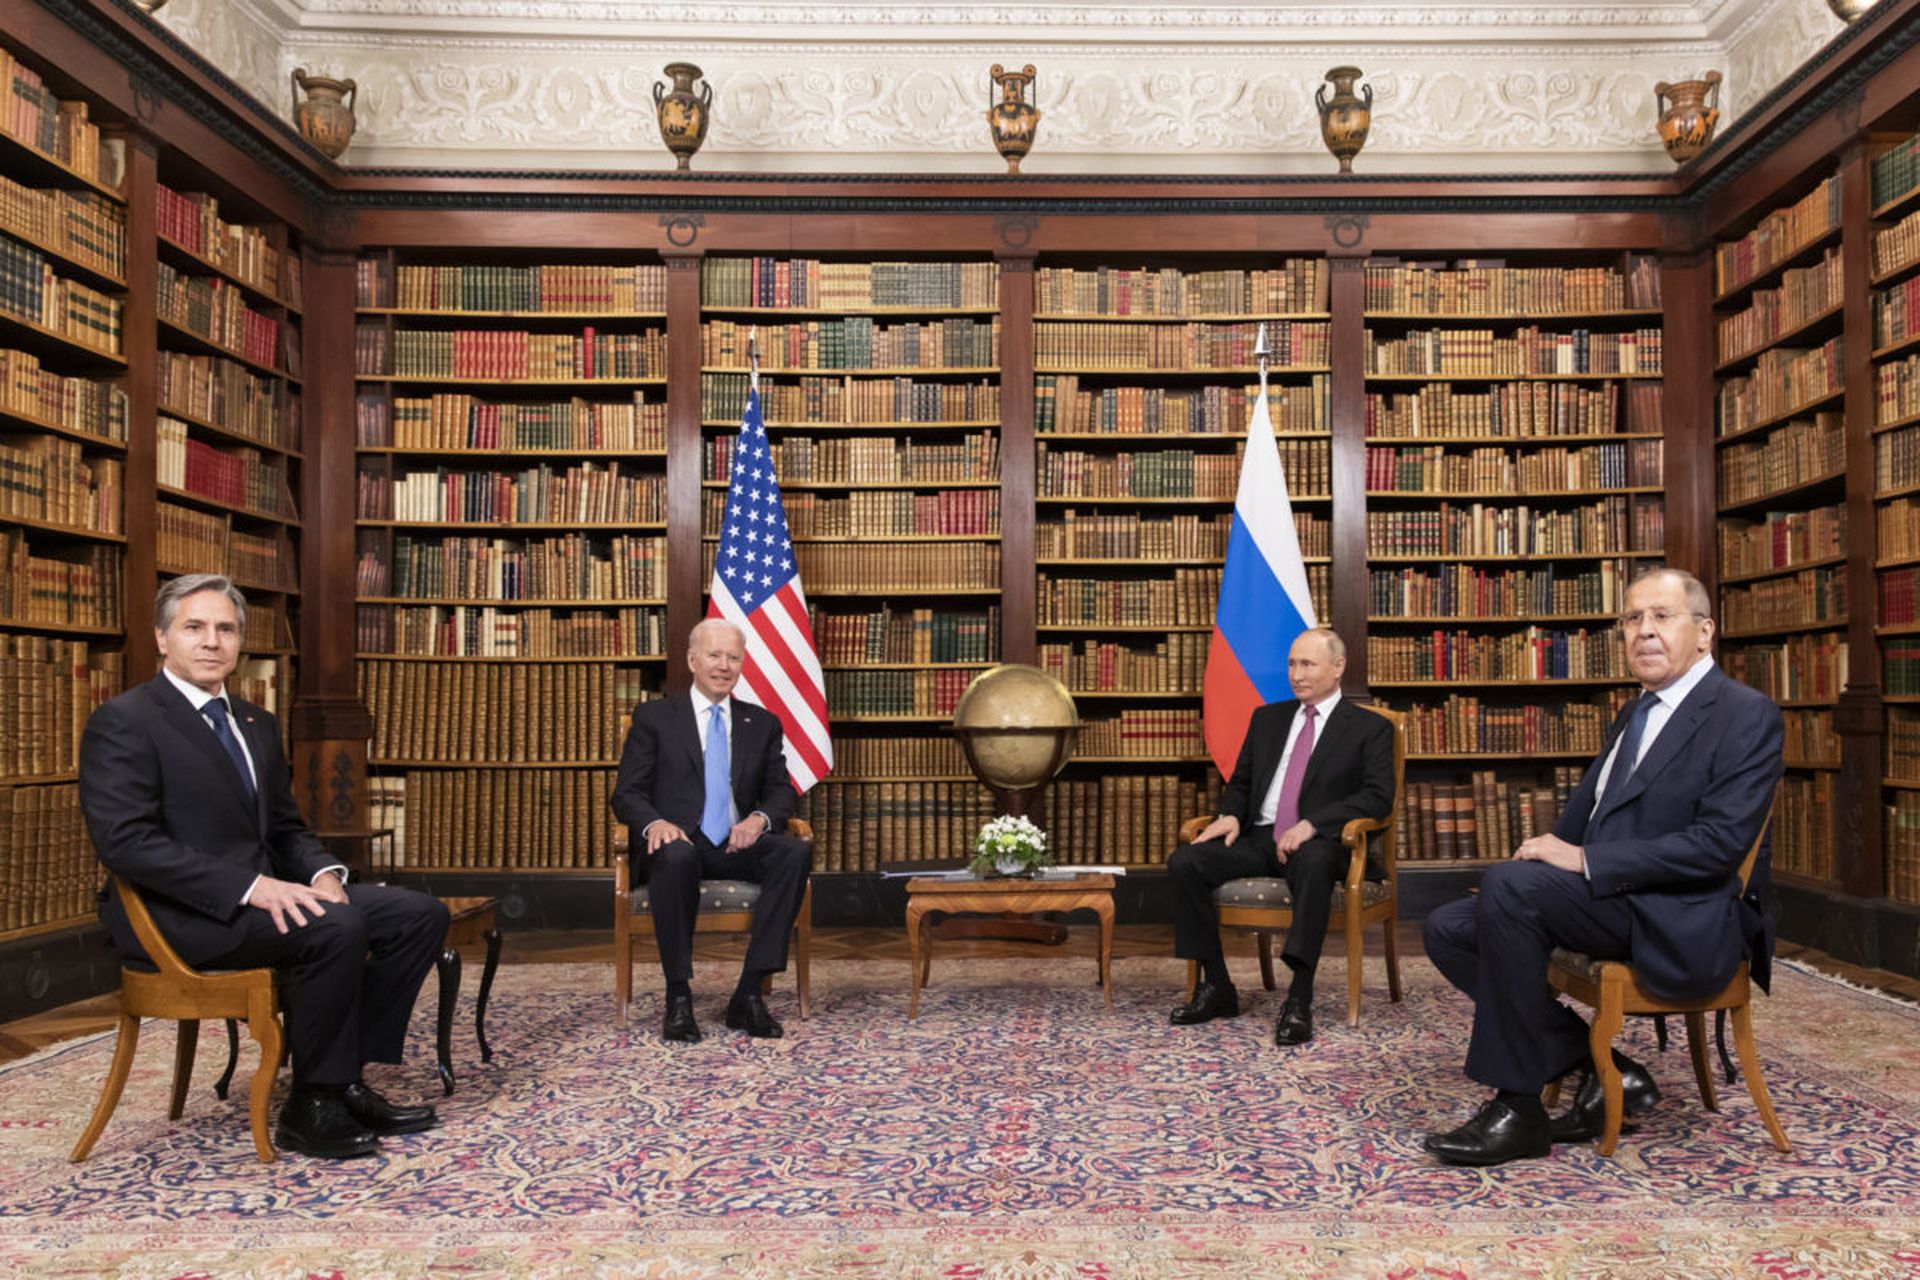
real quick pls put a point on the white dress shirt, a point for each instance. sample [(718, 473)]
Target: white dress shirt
[(1657, 716), (1323, 709)]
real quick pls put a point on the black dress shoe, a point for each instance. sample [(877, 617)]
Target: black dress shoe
[(748, 1013), (1295, 1025), (319, 1124), (1586, 1119), (678, 1024), (1496, 1134), (1209, 1002), (374, 1112)]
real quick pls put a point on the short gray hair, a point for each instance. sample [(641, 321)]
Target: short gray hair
[(167, 602), (709, 624), (1699, 603), (1335, 645)]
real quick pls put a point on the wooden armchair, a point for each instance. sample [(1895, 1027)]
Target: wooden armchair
[(1610, 988), (172, 990), (1265, 905), (726, 906)]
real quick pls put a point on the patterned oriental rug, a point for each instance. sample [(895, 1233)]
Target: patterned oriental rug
[(1018, 1129)]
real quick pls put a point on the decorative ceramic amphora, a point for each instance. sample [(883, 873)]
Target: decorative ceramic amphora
[(1691, 110), (1013, 120), (683, 114), (325, 116), (1346, 116)]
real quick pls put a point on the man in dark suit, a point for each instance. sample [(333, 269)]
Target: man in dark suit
[(187, 795), (703, 790), (1306, 768), (1642, 866)]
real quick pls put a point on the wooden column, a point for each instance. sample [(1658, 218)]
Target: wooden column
[(1347, 394), (1017, 482), (1687, 405), (139, 330), (686, 584)]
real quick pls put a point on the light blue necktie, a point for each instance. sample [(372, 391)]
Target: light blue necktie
[(1625, 759), (716, 820)]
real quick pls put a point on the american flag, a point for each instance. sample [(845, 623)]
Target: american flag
[(756, 586)]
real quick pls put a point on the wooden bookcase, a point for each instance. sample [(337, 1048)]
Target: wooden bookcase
[(511, 499), (64, 425), (880, 391), (1143, 388)]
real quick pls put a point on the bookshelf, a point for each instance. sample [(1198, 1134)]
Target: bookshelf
[(64, 426), (1144, 382), (1894, 195), (881, 394), (1515, 478), (510, 439)]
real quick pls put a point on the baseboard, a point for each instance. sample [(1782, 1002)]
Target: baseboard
[(1876, 933), (48, 970)]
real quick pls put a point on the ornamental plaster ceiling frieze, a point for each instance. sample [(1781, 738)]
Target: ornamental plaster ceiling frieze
[(1124, 88)]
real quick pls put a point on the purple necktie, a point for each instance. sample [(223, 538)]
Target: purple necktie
[(1287, 811)]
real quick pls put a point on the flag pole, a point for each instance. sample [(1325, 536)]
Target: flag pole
[(753, 356), (1261, 353)]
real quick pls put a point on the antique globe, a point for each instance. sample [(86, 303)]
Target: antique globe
[(1016, 725)]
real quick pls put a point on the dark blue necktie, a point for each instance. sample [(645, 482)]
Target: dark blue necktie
[(717, 818), (1627, 756), (216, 713)]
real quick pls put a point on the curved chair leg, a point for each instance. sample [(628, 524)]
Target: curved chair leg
[(1702, 1068), (264, 1026), (449, 965), (186, 1040), (225, 1081), (116, 1081), (803, 951), (1756, 1084), (486, 989), (1607, 1020), (1393, 958), (1720, 1039), (1265, 940), (1193, 978), (1660, 1032), (1355, 954)]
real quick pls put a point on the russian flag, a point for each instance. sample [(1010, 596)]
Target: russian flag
[(1264, 598)]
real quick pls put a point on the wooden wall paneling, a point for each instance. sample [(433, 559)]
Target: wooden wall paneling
[(1018, 511), (1347, 397), (139, 328), (1687, 395), (686, 590)]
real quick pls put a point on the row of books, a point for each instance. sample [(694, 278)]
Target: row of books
[(48, 688), (1898, 390), (1175, 664), (1174, 473), (880, 513), (809, 284), (1813, 595), (455, 421), (1465, 725), (852, 342), (1785, 380), (48, 873), (1807, 668), (907, 635), (896, 693), (1782, 539), (51, 479), (637, 288), (91, 405), (1113, 535), (1538, 653), (229, 396), (33, 114), (81, 591), (191, 219), (1896, 312), (861, 570), (493, 819), (1607, 527), (216, 309), (1900, 667), (1895, 171), (1465, 591), (468, 713), (1519, 410), (1186, 599), (1896, 465), (849, 401), (1902, 744), (85, 226), (480, 631), (1297, 285), (1486, 817), (32, 291), (864, 826), (1132, 819), (933, 753), (1810, 739), (190, 541), (1432, 469), (1800, 451), (865, 459), (585, 493), (1061, 404), (564, 567), (1899, 592), (509, 355), (1803, 294), (1779, 236), (267, 625), (1528, 351), (1156, 733), (1897, 247), (1291, 344), (1803, 825), (1903, 847), (1488, 287), (239, 477)]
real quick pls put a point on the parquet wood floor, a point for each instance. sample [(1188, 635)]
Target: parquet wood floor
[(29, 1035)]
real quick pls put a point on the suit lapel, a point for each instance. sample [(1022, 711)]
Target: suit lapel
[(685, 728), (745, 721), (1684, 721), (253, 732), (1270, 764), (1329, 733), (193, 726)]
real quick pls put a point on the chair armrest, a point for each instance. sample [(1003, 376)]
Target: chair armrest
[(800, 827), (1192, 827), (1354, 836)]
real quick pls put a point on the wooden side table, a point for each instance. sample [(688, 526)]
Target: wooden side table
[(926, 896)]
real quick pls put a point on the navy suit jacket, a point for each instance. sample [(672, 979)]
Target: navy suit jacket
[(1683, 825), (166, 809), (1349, 775), (663, 772)]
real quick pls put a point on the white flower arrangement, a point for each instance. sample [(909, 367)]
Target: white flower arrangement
[(1009, 846)]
